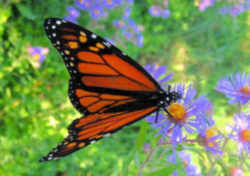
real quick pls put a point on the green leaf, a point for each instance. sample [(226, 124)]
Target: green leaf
[(142, 135), (164, 171), (180, 167), (26, 11)]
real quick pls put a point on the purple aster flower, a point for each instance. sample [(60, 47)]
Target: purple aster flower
[(165, 13), (73, 12), (155, 10), (97, 12), (209, 137), (127, 34), (224, 10), (236, 87), (140, 40), (237, 9), (186, 114), (38, 55), (132, 24), (158, 72), (191, 169), (241, 131), (127, 12), (70, 18), (205, 4), (84, 4), (119, 23)]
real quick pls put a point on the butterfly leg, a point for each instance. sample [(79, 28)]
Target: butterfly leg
[(156, 117), (168, 112)]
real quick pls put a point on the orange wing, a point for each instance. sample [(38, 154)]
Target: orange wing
[(95, 62), (106, 85), (89, 129)]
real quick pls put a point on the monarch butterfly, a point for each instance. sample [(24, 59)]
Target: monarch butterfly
[(106, 86)]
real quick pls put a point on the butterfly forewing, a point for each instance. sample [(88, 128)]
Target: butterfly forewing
[(95, 61)]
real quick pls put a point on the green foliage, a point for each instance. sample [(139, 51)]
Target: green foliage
[(199, 47)]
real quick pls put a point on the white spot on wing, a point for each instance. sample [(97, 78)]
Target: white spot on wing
[(107, 44), (58, 22), (93, 36), (92, 142), (107, 135)]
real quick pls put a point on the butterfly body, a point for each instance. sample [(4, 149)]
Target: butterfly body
[(106, 86)]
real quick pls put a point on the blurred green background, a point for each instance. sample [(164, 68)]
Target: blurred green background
[(198, 45)]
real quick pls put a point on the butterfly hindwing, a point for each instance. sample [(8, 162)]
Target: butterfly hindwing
[(93, 127), (88, 102)]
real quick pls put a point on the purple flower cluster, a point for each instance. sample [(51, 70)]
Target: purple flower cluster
[(190, 168), (130, 30), (236, 88), (204, 4), (160, 10), (38, 55), (187, 114), (98, 8), (72, 14), (236, 9)]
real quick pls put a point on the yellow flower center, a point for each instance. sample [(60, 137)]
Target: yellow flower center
[(87, 4), (96, 11), (155, 11), (245, 90), (36, 56), (178, 112), (109, 1), (211, 132), (245, 135), (185, 163)]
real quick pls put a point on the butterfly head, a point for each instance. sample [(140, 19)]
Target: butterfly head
[(172, 96)]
